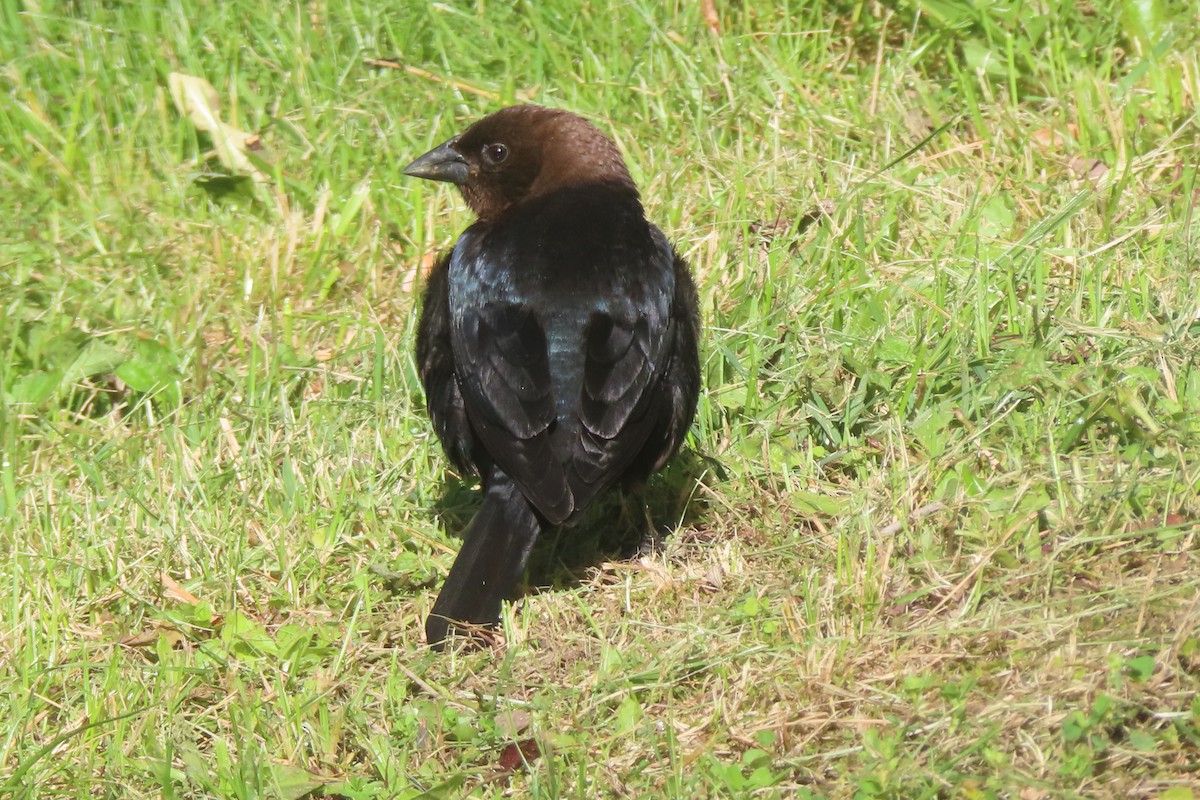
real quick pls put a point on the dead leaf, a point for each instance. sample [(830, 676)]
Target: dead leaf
[(1056, 138), (427, 262), (513, 721), (711, 18), (714, 579), (196, 99), (175, 591), (314, 389), (140, 639), (517, 754), (422, 268), (1091, 168)]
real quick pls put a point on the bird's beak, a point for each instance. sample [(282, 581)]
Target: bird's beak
[(442, 163)]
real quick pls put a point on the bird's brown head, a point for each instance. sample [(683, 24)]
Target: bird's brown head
[(523, 152)]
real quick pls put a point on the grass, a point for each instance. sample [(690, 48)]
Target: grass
[(937, 533)]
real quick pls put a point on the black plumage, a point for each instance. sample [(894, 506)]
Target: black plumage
[(557, 342)]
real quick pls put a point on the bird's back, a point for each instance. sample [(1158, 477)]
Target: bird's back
[(568, 328)]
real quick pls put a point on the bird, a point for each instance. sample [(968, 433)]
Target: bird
[(557, 343)]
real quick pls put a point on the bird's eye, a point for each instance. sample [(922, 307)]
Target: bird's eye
[(495, 153)]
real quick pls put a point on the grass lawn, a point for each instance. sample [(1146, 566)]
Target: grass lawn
[(935, 534)]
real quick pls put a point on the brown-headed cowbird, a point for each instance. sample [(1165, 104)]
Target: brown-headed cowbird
[(557, 343)]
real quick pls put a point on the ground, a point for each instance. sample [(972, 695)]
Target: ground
[(934, 533)]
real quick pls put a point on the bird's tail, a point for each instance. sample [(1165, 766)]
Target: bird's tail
[(490, 564)]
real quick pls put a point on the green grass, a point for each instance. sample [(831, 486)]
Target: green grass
[(940, 535)]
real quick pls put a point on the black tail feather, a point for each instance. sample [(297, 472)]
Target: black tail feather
[(490, 564)]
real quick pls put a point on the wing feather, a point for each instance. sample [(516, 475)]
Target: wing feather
[(503, 368), (562, 381)]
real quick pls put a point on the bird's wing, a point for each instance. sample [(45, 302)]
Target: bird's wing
[(504, 370), (435, 362), (680, 382), (625, 358), (605, 352)]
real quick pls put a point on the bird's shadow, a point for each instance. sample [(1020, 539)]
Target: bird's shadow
[(615, 527)]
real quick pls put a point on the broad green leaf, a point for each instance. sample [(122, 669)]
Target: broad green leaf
[(35, 388), (96, 358)]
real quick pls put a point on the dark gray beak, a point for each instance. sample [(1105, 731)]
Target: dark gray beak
[(442, 163)]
